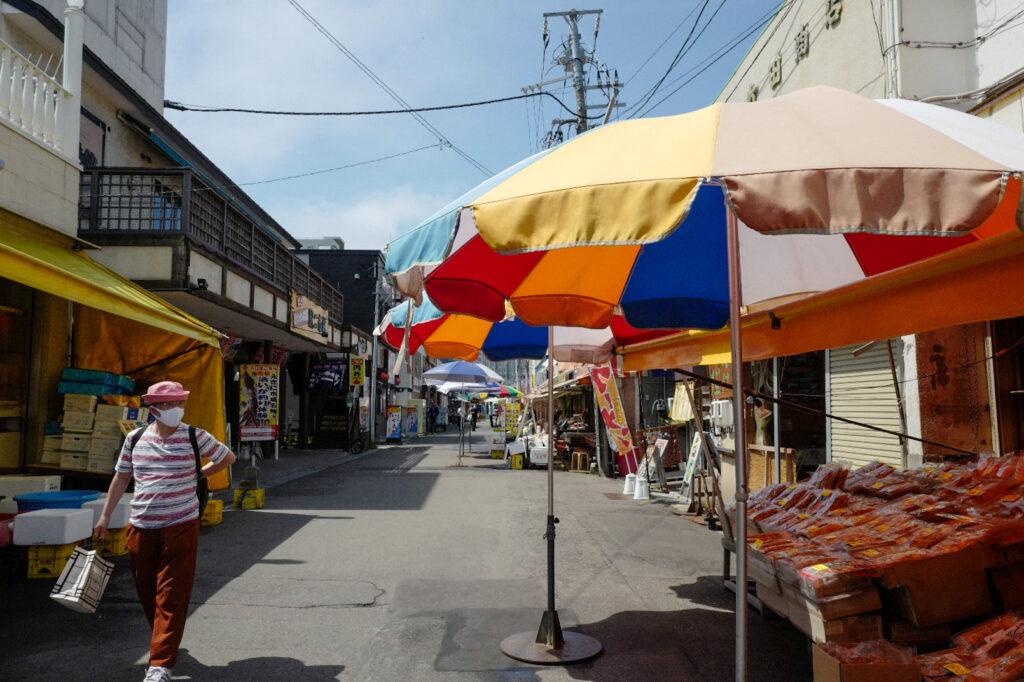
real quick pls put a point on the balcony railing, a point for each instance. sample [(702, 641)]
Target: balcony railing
[(133, 201), (31, 101)]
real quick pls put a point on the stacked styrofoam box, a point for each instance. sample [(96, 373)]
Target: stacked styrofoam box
[(17, 484), (52, 526), (79, 415), (118, 516)]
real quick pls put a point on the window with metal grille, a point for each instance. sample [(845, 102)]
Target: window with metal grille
[(207, 214)]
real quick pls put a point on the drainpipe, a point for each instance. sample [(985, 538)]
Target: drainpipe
[(74, 32)]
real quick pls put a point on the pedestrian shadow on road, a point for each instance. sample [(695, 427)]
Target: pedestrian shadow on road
[(259, 668), (691, 644)]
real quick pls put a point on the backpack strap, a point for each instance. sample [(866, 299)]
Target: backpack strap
[(136, 437), (195, 451)]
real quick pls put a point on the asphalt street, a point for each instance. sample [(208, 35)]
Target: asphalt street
[(397, 564)]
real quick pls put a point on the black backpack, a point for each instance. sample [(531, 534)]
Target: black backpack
[(202, 485)]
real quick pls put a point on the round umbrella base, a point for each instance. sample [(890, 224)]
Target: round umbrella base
[(524, 647)]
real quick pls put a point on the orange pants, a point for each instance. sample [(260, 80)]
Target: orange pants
[(164, 564)]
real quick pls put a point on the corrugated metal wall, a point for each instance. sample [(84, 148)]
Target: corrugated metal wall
[(861, 388)]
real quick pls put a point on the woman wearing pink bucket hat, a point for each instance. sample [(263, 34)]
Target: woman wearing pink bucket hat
[(163, 529)]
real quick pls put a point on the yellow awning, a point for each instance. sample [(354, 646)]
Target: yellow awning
[(48, 260)]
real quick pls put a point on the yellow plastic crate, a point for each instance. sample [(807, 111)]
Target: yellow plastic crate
[(115, 544), (250, 499), (214, 512), (47, 561), (516, 461), (498, 453)]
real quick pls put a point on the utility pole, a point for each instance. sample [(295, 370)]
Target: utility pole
[(576, 54), (372, 372), (574, 58)]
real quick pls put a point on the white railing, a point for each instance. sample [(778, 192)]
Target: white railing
[(31, 101)]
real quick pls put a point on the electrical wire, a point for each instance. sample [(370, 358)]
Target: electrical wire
[(658, 49), (646, 97), (209, 109), (356, 164), (699, 70), (384, 86)]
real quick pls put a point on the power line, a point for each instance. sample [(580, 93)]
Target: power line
[(384, 86), (675, 61), (355, 164), (724, 51), (202, 108)]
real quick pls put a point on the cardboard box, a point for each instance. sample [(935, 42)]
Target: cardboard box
[(74, 460), (105, 447), (828, 669), (1008, 585), (51, 457), (99, 464), (52, 442), (76, 442), (940, 589), (859, 628), (106, 429), (116, 413), (78, 421), (772, 597), (75, 401), (902, 632)]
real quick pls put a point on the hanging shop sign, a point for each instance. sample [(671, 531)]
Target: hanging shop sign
[(357, 371), (229, 347), (607, 392), (394, 431), (308, 319), (259, 398)]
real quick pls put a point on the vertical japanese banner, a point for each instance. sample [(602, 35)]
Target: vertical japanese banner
[(357, 373), (259, 396), (608, 401), (394, 431)]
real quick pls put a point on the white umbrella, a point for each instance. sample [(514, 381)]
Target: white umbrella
[(461, 371)]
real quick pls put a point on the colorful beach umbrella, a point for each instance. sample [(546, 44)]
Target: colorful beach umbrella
[(446, 335), (630, 217)]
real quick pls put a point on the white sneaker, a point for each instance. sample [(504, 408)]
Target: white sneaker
[(157, 673)]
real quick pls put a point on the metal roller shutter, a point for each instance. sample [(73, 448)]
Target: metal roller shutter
[(860, 388)]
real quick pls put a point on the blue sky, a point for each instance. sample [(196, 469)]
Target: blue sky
[(265, 54)]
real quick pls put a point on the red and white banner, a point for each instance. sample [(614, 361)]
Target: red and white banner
[(607, 392)]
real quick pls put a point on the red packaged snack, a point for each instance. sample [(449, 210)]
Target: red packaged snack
[(943, 664), (832, 475), (876, 651)]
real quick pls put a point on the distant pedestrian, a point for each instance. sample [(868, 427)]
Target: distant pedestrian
[(163, 528), (432, 418)]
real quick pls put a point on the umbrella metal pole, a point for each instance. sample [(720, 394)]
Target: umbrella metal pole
[(549, 645), (550, 631), (735, 299)]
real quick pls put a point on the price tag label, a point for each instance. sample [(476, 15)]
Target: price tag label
[(957, 669)]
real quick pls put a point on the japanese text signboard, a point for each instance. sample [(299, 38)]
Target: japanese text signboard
[(357, 371), (258, 401)]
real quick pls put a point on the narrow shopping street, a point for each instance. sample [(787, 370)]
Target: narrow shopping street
[(396, 564)]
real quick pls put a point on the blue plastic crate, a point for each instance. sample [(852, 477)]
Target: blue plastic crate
[(91, 389), (97, 376)]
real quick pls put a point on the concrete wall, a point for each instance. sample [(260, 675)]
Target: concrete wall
[(37, 183), (129, 36)]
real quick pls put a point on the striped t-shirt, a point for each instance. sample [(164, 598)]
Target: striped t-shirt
[(165, 475)]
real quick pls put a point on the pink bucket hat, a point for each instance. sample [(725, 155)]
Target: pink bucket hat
[(165, 392)]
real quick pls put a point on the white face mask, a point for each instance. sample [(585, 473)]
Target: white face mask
[(170, 416)]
